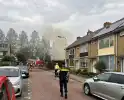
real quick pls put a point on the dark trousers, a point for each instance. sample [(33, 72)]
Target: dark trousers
[(63, 86), (56, 72)]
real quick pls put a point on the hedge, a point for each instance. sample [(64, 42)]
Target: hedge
[(82, 72)]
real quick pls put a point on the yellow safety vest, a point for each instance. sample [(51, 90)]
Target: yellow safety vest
[(56, 66), (64, 69)]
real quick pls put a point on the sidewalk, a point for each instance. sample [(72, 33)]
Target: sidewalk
[(74, 77), (77, 78)]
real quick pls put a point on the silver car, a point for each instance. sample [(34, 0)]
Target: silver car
[(107, 86), (14, 75)]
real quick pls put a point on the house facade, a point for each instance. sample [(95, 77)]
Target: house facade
[(78, 52), (105, 44), (120, 50), (4, 48)]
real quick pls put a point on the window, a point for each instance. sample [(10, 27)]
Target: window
[(84, 62), (111, 41), (106, 42), (84, 48), (104, 76), (71, 62), (0, 45), (71, 52), (3, 93), (117, 78), (109, 61)]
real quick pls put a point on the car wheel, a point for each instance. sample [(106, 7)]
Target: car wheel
[(87, 89)]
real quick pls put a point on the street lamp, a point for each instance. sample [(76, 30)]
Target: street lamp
[(64, 49)]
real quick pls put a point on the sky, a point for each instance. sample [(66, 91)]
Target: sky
[(73, 16)]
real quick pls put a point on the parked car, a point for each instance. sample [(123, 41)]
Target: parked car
[(14, 75), (25, 72), (6, 89), (108, 86)]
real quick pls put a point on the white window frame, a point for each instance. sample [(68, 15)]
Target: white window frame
[(109, 41), (84, 48), (71, 50), (109, 61)]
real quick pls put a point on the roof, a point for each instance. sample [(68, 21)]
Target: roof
[(83, 39), (112, 27)]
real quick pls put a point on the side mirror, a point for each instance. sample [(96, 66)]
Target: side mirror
[(95, 78)]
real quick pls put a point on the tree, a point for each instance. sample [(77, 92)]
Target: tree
[(23, 38), (34, 37), (21, 57), (12, 36), (12, 39), (26, 51), (35, 43), (2, 36), (100, 66)]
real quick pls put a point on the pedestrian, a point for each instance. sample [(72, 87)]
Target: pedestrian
[(63, 80), (56, 69)]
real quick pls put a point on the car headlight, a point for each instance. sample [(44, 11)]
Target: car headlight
[(17, 83)]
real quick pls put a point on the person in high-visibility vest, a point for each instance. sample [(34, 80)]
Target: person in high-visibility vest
[(56, 69), (63, 79)]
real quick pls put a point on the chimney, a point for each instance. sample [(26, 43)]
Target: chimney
[(89, 32), (107, 24), (78, 37)]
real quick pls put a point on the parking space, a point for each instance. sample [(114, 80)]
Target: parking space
[(26, 92)]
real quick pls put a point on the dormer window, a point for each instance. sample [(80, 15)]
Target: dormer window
[(122, 33)]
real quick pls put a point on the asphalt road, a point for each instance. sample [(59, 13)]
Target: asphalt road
[(26, 92)]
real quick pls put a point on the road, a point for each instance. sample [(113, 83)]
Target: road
[(46, 87), (26, 92)]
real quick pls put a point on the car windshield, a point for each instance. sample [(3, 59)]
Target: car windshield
[(9, 72)]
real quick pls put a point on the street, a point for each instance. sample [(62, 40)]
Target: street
[(26, 92), (43, 86), (46, 87)]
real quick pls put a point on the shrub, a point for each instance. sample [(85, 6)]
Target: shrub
[(78, 71), (85, 70), (5, 63), (100, 66), (73, 71), (8, 58)]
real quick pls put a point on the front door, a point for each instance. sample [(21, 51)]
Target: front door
[(93, 65)]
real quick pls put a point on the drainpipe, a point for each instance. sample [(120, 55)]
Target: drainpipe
[(116, 55)]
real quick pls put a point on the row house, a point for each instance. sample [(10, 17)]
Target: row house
[(77, 52), (105, 44)]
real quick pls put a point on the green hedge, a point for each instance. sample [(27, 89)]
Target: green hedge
[(82, 72)]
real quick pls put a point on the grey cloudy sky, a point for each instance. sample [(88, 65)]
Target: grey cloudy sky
[(75, 16)]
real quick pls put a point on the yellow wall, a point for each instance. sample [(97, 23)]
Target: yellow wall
[(106, 51)]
